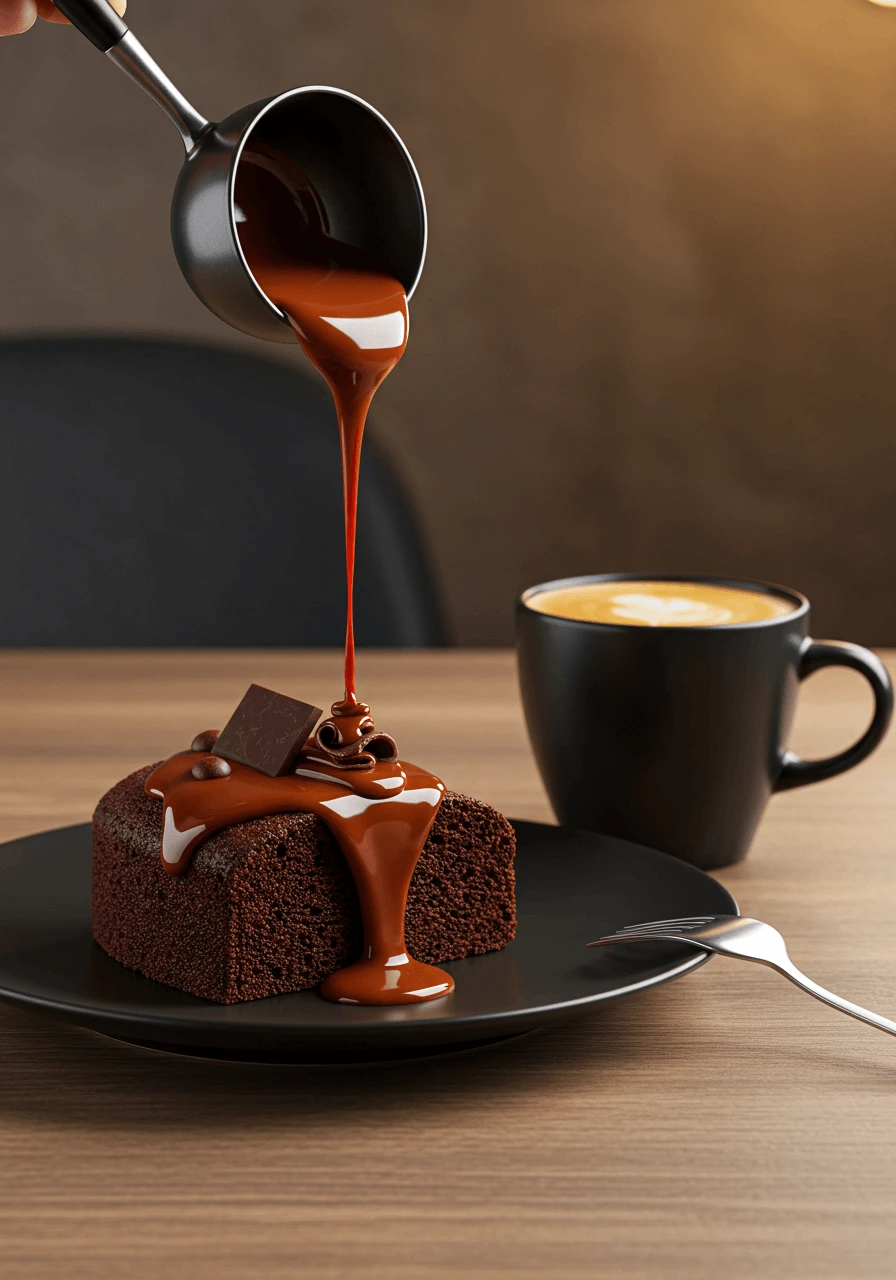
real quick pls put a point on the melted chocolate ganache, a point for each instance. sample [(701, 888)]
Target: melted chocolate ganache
[(351, 319)]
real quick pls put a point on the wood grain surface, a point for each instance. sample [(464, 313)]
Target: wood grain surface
[(723, 1126)]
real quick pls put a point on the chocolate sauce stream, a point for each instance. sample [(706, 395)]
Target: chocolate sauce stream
[(348, 313), (351, 319)]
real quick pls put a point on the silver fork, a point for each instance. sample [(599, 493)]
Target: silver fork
[(748, 940)]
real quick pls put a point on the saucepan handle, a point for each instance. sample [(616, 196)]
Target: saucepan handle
[(102, 26), (814, 655), (96, 20)]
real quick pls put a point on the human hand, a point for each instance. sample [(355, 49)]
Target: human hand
[(17, 16)]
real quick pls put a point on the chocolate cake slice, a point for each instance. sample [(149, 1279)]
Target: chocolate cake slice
[(269, 906)]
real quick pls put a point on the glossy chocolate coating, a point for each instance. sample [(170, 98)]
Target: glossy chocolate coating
[(380, 819)]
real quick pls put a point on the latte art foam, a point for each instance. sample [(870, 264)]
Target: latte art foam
[(674, 611), (660, 604)]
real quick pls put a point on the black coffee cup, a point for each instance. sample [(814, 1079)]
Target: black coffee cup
[(674, 736)]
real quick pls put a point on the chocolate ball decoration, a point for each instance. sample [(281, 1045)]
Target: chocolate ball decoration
[(210, 767), (205, 741)]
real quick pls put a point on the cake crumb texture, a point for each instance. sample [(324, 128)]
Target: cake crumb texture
[(269, 906)]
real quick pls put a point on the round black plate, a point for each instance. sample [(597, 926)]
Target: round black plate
[(572, 887)]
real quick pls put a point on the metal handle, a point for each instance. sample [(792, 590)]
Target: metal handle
[(836, 1002), (816, 654), (98, 21), (782, 963)]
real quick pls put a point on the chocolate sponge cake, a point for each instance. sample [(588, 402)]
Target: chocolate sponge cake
[(269, 906)]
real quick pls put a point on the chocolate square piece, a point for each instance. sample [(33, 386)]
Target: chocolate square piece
[(267, 731)]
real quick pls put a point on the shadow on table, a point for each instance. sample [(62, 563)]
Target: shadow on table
[(63, 1074), (60, 1074)]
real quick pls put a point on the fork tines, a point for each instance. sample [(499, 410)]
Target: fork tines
[(685, 922), (655, 928)]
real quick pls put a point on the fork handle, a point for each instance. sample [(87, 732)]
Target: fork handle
[(836, 1002)]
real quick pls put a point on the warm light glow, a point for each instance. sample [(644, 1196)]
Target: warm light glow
[(886, 4)]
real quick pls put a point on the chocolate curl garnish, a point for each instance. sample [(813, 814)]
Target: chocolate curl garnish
[(350, 742)]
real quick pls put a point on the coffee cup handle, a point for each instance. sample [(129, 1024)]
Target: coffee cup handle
[(814, 655)]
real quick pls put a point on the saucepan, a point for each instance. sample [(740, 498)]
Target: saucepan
[(361, 171)]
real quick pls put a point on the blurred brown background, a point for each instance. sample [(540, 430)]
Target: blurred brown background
[(657, 327)]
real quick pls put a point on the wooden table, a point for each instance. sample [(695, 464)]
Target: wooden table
[(723, 1126)]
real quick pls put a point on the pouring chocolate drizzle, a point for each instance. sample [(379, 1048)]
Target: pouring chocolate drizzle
[(348, 313), (350, 317)]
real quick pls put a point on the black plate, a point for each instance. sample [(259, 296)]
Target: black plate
[(572, 887)]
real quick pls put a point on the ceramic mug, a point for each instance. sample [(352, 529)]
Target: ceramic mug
[(675, 736)]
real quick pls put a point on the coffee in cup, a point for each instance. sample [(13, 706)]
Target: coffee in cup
[(652, 603), (659, 707)]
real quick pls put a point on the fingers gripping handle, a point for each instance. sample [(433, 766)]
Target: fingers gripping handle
[(816, 654), (96, 20)]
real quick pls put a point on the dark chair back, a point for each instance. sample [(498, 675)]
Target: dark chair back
[(159, 493)]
